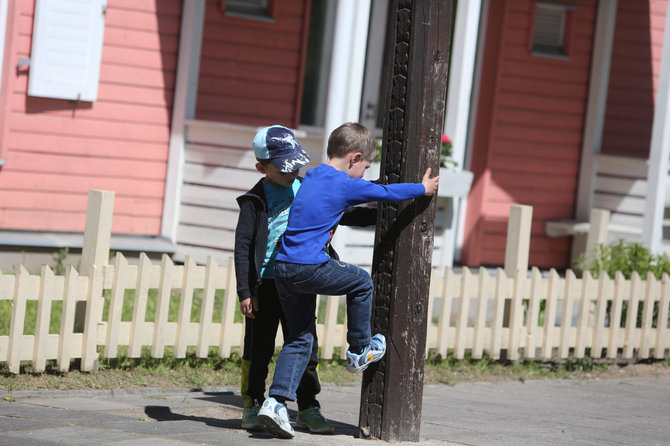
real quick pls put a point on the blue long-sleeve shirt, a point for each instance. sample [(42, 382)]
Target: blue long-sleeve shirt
[(324, 195)]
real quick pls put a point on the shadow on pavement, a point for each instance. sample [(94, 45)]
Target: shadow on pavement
[(165, 413), (226, 398)]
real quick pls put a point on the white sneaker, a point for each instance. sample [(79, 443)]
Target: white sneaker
[(274, 416)]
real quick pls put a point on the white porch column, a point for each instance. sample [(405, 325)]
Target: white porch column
[(183, 107), (459, 94), (345, 83), (597, 102), (463, 51), (657, 177), (347, 65)]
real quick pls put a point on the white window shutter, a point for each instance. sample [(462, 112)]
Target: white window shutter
[(66, 49)]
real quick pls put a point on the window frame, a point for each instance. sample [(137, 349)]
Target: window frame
[(564, 52), (268, 13)]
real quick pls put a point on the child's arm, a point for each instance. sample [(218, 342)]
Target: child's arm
[(430, 183), (244, 250), (360, 191)]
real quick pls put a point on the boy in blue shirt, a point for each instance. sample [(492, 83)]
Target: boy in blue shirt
[(262, 220), (304, 269)]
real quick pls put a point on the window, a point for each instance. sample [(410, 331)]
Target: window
[(551, 30), (249, 9), (66, 49)]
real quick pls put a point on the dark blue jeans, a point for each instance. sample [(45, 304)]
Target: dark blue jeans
[(298, 286)]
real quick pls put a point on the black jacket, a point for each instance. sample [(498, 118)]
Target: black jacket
[(251, 236)]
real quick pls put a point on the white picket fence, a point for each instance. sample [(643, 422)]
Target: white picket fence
[(550, 317)]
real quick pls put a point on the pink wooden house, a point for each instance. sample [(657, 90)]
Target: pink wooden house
[(564, 121), (558, 105)]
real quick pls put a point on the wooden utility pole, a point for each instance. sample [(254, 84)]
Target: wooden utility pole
[(418, 38)]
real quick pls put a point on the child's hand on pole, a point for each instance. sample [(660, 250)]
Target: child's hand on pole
[(430, 184)]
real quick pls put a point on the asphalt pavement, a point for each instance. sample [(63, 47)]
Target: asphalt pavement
[(632, 411)]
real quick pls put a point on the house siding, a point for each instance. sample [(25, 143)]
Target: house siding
[(635, 66), (56, 151), (528, 135), (251, 71)]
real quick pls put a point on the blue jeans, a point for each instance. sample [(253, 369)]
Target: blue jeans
[(298, 286), (259, 347)]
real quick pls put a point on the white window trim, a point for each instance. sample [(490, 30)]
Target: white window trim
[(3, 40), (3, 32)]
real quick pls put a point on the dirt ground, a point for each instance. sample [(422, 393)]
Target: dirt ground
[(496, 372), (639, 370)]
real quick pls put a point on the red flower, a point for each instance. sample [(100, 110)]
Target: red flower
[(445, 138)]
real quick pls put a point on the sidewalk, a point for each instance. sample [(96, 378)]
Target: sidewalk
[(591, 412)]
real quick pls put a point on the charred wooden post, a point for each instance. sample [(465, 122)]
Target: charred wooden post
[(416, 67)]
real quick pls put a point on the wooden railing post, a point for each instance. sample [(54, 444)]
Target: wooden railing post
[(95, 251), (599, 220), (518, 239), (98, 230), (517, 250)]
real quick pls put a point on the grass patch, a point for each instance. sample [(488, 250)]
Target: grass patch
[(173, 311), (55, 315), (126, 372), (451, 371), (192, 372)]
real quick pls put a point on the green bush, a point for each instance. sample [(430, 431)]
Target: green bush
[(625, 257)]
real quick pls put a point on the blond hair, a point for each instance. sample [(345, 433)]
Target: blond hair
[(351, 137)]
